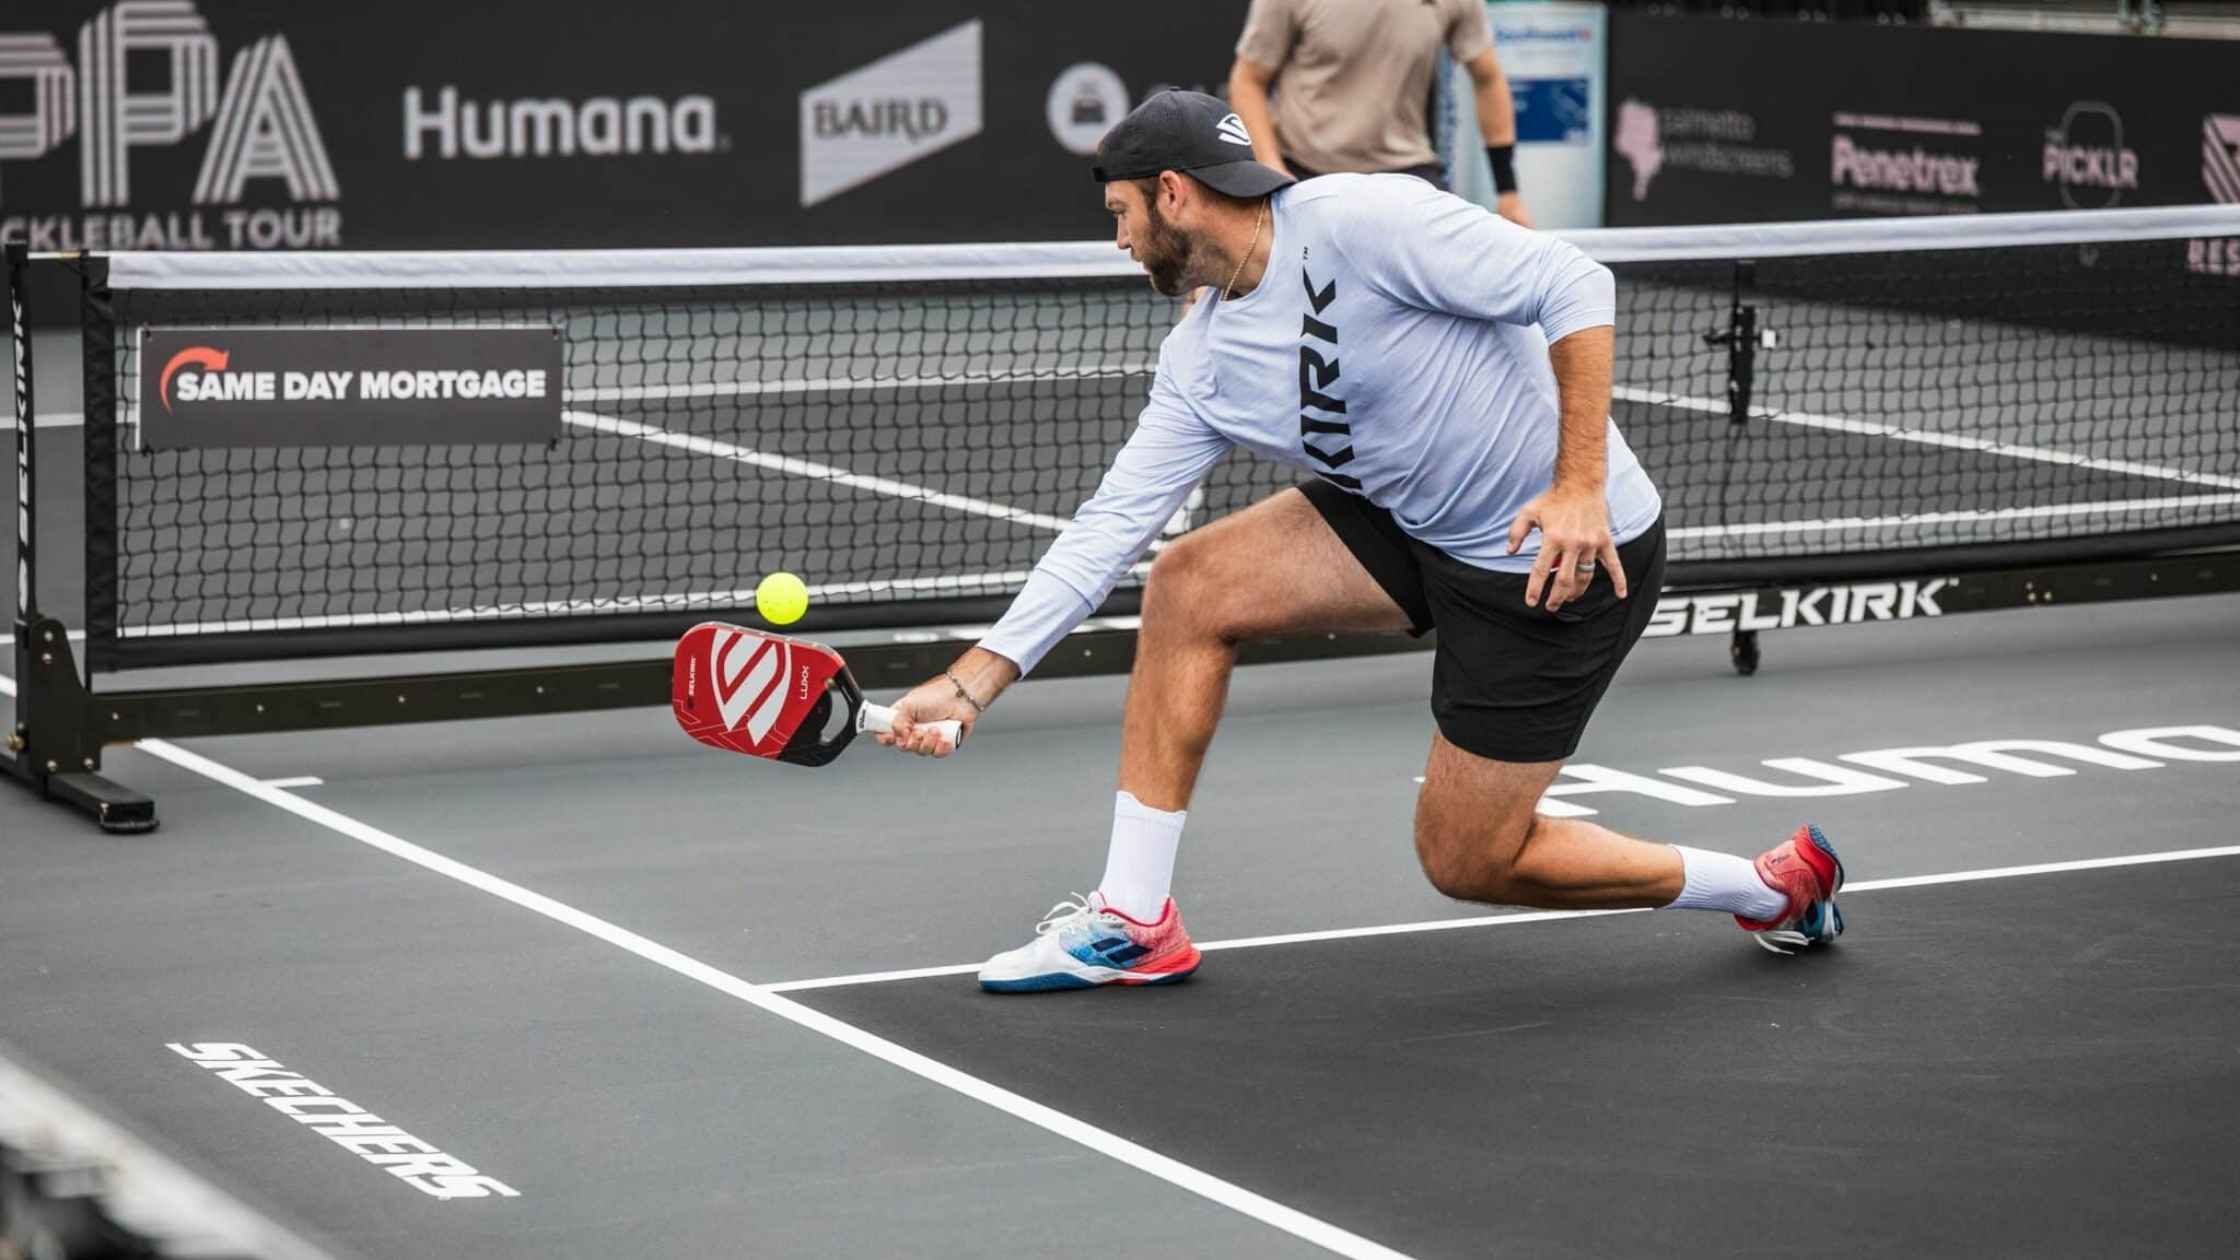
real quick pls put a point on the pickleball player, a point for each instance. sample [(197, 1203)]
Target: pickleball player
[(1445, 375)]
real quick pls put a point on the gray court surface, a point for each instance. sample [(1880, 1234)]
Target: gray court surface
[(579, 954)]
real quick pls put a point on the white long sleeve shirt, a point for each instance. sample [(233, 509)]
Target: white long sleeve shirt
[(1397, 346)]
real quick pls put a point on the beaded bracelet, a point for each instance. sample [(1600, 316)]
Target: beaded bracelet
[(962, 694)]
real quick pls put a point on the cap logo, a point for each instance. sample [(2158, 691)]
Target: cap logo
[(1232, 130)]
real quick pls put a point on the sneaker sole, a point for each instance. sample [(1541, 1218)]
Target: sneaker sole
[(1087, 978), (1820, 842)]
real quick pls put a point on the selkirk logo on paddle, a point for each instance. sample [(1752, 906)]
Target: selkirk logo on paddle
[(759, 689)]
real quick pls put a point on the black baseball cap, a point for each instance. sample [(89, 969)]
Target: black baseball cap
[(1189, 132)]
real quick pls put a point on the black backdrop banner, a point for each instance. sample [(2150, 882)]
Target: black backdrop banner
[(521, 123), (1719, 120)]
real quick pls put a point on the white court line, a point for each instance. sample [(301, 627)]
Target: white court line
[(809, 468), (2109, 507), (299, 781), (1544, 916), (852, 384), (1927, 437), (49, 420), (1142, 1158)]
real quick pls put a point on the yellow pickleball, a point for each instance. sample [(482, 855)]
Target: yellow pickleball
[(781, 599)]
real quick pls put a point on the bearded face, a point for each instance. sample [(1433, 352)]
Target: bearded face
[(1166, 253)]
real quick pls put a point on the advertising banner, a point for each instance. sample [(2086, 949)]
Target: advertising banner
[(1718, 120), (1551, 51), (260, 124), (223, 387)]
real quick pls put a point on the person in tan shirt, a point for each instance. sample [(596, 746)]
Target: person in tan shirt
[(1353, 84)]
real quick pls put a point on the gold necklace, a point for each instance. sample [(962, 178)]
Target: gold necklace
[(1231, 291)]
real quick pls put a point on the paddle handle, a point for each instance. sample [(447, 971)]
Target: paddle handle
[(879, 719)]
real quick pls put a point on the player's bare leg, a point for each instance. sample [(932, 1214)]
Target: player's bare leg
[(1275, 567), (1480, 839)]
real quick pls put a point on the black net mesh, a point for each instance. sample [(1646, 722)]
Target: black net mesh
[(912, 448)]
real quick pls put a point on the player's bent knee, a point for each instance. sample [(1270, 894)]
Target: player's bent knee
[(1460, 866), (1184, 588), (1471, 863), (1178, 567)]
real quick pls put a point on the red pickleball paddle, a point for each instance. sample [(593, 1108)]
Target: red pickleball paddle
[(750, 691)]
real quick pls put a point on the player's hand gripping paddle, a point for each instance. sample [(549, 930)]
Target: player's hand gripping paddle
[(765, 695)]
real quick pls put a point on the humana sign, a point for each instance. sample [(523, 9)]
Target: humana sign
[(601, 126)]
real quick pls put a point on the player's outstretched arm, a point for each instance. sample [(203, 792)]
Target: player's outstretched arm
[(1166, 458)]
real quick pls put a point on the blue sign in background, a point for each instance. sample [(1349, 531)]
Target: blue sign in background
[(1553, 111)]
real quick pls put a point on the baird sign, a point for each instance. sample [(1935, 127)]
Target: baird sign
[(890, 113)]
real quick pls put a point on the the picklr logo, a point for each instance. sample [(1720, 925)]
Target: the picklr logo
[(260, 128), (2085, 156)]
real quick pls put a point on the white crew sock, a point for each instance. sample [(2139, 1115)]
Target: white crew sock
[(1722, 881), (1139, 868)]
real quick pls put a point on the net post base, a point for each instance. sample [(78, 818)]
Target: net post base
[(115, 807), (55, 745)]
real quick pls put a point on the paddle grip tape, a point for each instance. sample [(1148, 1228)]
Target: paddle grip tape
[(879, 719)]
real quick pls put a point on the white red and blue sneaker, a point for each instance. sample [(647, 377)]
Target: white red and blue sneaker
[(1083, 943), (1806, 870)]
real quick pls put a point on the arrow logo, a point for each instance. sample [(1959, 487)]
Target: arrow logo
[(208, 358)]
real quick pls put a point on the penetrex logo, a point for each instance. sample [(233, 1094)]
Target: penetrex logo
[(260, 127), (1902, 170)]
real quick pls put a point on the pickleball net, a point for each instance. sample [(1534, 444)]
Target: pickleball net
[(909, 428)]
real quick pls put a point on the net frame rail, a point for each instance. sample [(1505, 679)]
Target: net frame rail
[(64, 720)]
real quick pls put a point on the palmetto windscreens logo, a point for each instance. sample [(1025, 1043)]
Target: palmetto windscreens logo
[(1713, 142), (147, 76)]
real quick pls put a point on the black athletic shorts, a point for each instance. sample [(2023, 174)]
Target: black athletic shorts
[(1509, 682)]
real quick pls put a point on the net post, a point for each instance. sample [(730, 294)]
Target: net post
[(97, 323), (1741, 342), (18, 262), (54, 745)]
